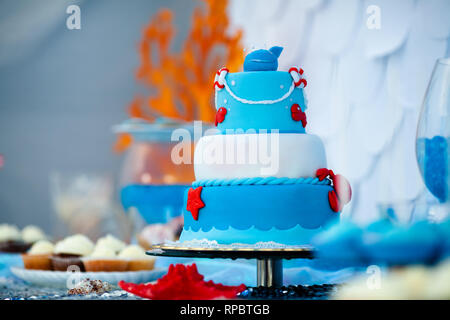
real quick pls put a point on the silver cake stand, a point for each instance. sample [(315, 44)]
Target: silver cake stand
[(269, 266)]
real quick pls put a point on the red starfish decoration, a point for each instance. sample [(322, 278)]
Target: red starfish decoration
[(182, 283), (194, 202)]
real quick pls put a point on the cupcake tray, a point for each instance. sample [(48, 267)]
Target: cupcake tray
[(269, 260)]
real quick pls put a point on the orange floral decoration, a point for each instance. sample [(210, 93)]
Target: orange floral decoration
[(181, 83)]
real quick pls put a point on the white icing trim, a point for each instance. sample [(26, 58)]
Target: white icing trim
[(246, 101), (295, 75)]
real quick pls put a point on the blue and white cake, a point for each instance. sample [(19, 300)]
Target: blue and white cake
[(261, 177)]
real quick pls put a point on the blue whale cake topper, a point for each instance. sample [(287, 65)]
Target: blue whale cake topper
[(263, 60)]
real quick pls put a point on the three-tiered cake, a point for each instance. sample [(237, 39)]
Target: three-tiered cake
[(261, 177)]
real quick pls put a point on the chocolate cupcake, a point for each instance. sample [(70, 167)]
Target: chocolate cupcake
[(11, 240), (69, 252), (63, 261)]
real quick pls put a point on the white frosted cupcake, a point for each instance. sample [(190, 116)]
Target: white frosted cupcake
[(11, 239), (415, 282), (104, 258), (111, 242), (32, 234), (69, 251), (39, 256), (137, 259), (9, 232)]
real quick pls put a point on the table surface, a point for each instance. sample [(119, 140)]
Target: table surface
[(15, 289), (12, 288)]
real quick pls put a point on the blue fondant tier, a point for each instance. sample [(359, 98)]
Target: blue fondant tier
[(293, 236), (260, 100), (289, 214)]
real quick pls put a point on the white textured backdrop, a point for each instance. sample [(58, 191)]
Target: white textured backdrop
[(365, 86)]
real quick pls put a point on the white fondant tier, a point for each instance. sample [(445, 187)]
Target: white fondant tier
[(231, 156)]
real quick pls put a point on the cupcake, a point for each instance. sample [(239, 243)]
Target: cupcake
[(32, 234), (137, 259), (69, 252), (38, 257), (11, 240), (111, 242), (104, 258)]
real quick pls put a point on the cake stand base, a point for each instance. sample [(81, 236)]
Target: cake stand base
[(269, 260), (269, 272)]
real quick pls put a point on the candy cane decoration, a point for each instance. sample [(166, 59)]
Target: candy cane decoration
[(296, 76), (219, 79)]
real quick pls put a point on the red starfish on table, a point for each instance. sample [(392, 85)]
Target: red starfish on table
[(182, 283), (194, 202)]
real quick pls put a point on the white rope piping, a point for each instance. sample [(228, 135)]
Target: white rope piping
[(246, 101)]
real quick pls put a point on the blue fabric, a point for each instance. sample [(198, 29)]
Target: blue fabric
[(235, 272), (339, 246), (384, 243), (8, 260), (418, 243), (444, 235)]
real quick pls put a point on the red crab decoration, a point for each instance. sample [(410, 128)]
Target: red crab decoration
[(342, 193), (220, 115), (298, 115), (182, 283)]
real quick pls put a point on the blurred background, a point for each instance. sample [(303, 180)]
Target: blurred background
[(62, 91)]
